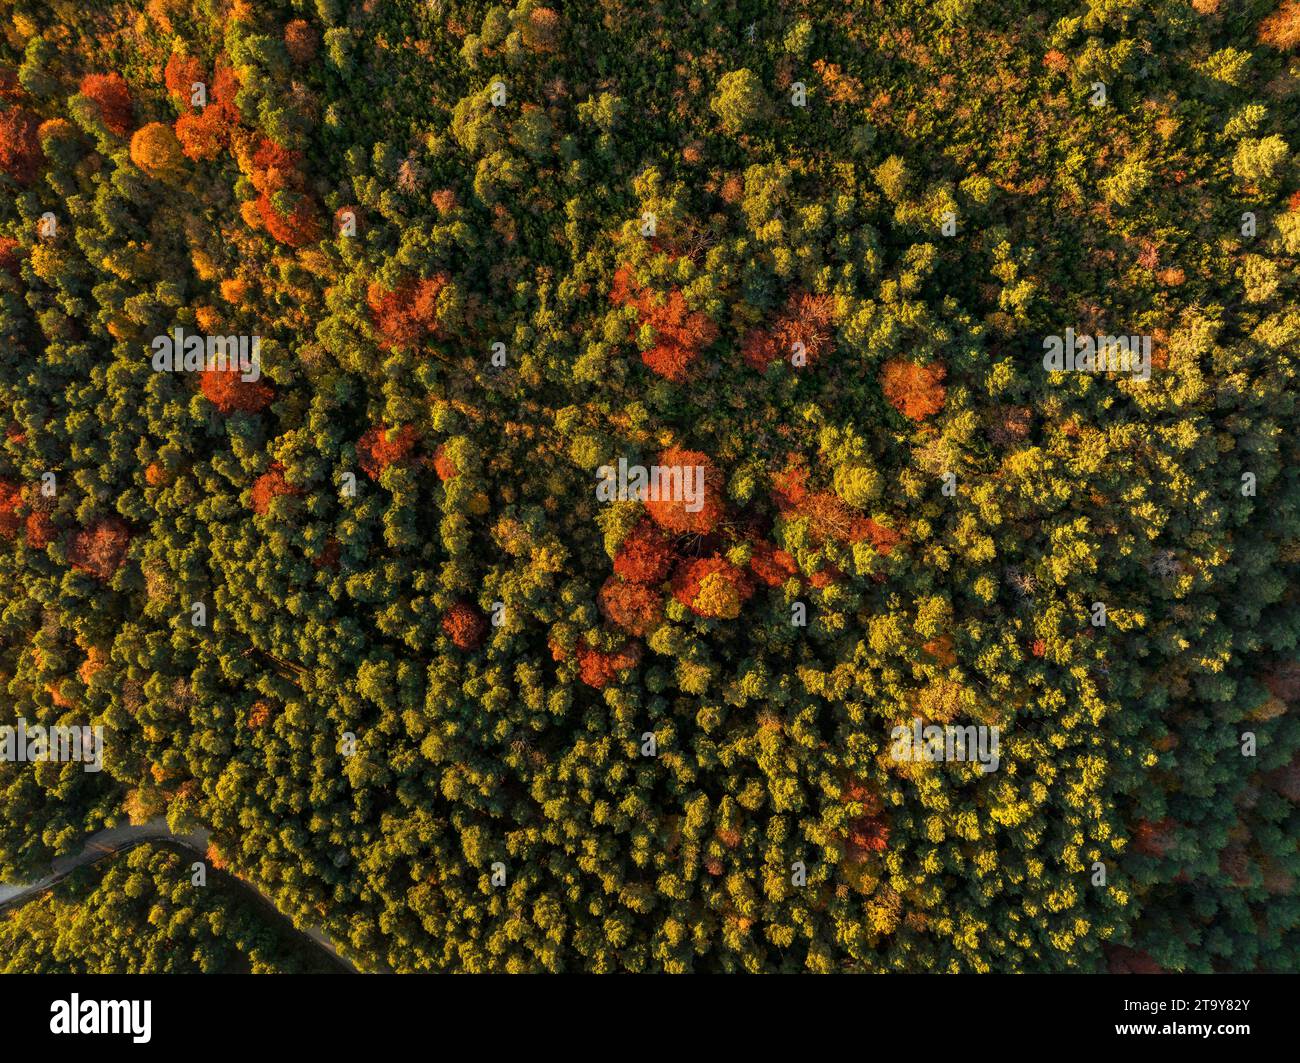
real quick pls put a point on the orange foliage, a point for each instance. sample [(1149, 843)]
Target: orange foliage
[(882, 539), (379, 447), (1282, 28), (270, 485), (259, 714), (300, 41), (286, 210), (868, 831), (673, 515), (464, 626), (712, 587), (229, 393), (443, 465), (409, 313), (20, 146), (200, 134), (100, 549), (770, 564), (680, 334), (40, 529), (180, 74), (597, 669), (806, 319), (635, 607), (829, 516), (155, 149), (301, 226), (941, 649), (11, 500), (840, 87), (9, 255), (914, 390), (96, 658), (645, 555), (541, 32), (110, 93)]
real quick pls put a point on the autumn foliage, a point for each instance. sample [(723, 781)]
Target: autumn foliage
[(11, 499), (672, 514), (645, 554), (443, 465), (679, 333), (1282, 28), (20, 146), (805, 327), (111, 94), (712, 587), (867, 830), (597, 668), (269, 486), (465, 626), (99, 549), (232, 394), (635, 607), (409, 313), (155, 149), (913, 390), (380, 446), (284, 205)]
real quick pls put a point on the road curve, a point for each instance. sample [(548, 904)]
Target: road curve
[(113, 840)]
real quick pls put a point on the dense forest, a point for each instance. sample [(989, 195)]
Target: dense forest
[(357, 604), (142, 913)]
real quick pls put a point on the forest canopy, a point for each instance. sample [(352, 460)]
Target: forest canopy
[(339, 584)]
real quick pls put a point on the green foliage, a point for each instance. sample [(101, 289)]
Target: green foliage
[(417, 711)]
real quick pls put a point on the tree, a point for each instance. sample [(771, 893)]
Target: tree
[(155, 149), (739, 101), (111, 94), (20, 146)]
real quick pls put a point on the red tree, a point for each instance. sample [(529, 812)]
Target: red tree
[(379, 447), (464, 626), (673, 514), (110, 93), (597, 668), (807, 320), (20, 146), (443, 465), (712, 587), (913, 390), (180, 74), (100, 549), (645, 554), (409, 313), (271, 485), (680, 333), (771, 565), (300, 41), (635, 607), (11, 500), (229, 393)]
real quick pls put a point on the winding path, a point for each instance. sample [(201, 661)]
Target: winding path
[(113, 840)]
